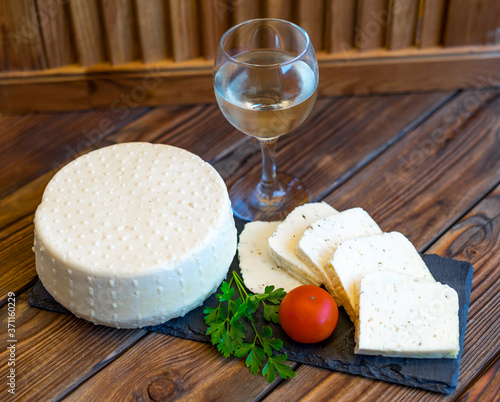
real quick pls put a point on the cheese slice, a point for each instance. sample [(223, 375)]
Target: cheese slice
[(322, 238), (257, 267), (357, 257), (134, 234), (404, 316), (283, 242)]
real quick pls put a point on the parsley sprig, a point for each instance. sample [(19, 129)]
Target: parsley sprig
[(227, 325)]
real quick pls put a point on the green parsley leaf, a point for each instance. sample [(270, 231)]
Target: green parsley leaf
[(229, 322)]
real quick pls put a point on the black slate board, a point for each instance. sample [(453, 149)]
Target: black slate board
[(336, 352)]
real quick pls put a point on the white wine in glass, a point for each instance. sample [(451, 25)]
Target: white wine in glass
[(265, 80)]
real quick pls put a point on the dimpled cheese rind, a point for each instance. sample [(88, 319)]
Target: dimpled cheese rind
[(404, 316), (134, 234), (257, 267)]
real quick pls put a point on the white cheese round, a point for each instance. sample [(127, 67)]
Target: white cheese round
[(134, 234)]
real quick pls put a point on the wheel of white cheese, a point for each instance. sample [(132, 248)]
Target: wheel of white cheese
[(134, 234)]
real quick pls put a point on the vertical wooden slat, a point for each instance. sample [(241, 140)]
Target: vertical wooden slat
[(281, 9), (56, 33), (120, 30), (402, 26), (22, 47), (310, 15), (153, 30), (473, 22), (371, 24), (433, 15), (185, 34), (87, 30), (244, 10), (340, 23), (214, 23)]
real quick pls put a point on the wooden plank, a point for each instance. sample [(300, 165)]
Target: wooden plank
[(21, 47), (88, 32), (436, 160), (65, 339), (183, 127), (340, 25), (402, 26), (366, 127), (184, 25), (153, 29), (195, 371), (243, 10), (410, 75), (56, 32), (214, 24), (487, 386), (59, 138), (371, 24), (475, 239), (72, 88), (310, 15), (432, 24), (281, 9), (472, 22), (425, 157), (120, 30)]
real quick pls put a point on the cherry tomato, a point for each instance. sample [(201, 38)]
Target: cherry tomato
[(308, 314)]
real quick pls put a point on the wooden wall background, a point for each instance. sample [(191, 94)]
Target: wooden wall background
[(73, 54)]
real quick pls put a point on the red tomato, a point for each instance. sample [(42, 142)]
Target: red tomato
[(308, 314)]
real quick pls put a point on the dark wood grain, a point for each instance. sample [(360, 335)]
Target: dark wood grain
[(21, 46), (310, 15), (340, 25), (184, 29), (88, 32), (281, 9), (423, 164), (371, 24), (214, 23), (120, 30), (486, 387), (432, 22), (462, 27), (59, 138), (401, 214), (44, 371), (476, 238), (153, 30), (402, 27), (342, 135), (187, 374), (426, 171), (56, 32)]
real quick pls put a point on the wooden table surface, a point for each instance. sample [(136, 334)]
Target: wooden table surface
[(426, 164)]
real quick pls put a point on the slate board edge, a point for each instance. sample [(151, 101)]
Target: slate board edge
[(39, 297)]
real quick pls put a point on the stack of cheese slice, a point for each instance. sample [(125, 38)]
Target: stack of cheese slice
[(379, 278)]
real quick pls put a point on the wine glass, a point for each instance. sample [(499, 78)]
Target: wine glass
[(265, 82)]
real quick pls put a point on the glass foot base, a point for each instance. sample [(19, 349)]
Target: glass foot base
[(251, 201)]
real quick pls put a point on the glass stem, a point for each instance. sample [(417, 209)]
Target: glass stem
[(268, 185)]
